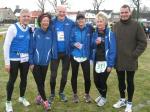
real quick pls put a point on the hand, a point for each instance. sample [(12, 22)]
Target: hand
[(98, 40), (31, 67), (109, 69), (78, 45), (7, 68)]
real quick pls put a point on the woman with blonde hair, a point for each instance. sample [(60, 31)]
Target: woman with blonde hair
[(104, 54), (16, 56)]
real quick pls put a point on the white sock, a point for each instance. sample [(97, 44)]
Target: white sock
[(123, 99)]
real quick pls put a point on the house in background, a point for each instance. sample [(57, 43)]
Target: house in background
[(88, 16), (7, 15), (72, 15), (17, 11), (34, 16), (115, 16), (91, 14)]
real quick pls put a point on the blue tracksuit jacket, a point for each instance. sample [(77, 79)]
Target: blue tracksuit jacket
[(110, 47)]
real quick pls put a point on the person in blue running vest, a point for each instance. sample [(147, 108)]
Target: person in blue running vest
[(16, 56)]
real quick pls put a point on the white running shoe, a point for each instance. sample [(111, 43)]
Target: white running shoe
[(120, 103), (24, 101), (97, 99), (128, 107), (9, 106), (102, 101)]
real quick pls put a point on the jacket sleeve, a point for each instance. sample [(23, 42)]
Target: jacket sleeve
[(93, 46), (112, 50), (93, 40), (31, 48), (90, 42), (11, 33), (54, 44), (141, 42), (72, 38)]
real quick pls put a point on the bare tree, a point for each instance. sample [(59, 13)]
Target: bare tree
[(53, 3), (63, 2), (137, 4), (41, 5), (96, 5)]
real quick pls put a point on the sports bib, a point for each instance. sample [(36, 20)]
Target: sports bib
[(100, 66), (60, 36), (24, 57)]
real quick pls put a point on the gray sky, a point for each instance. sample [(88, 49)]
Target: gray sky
[(77, 5)]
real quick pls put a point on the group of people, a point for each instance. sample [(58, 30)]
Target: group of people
[(61, 39)]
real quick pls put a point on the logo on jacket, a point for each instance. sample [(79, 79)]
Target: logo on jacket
[(21, 36), (47, 38), (67, 24), (38, 36), (88, 34)]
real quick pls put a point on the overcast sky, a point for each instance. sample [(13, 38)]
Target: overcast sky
[(77, 5)]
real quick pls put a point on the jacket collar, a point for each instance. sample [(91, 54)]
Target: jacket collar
[(125, 21)]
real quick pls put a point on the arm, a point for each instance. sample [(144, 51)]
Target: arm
[(11, 33), (95, 41), (72, 39), (93, 46), (112, 51), (31, 48), (141, 42)]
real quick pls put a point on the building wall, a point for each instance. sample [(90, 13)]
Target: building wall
[(6, 14)]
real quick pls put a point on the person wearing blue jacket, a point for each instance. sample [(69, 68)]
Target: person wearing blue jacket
[(16, 55), (40, 55), (61, 52), (80, 54), (104, 55)]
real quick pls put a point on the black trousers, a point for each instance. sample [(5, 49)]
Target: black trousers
[(39, 73), (100, 80), (15, 66), (86, 73), (122, 84), (54, 68)]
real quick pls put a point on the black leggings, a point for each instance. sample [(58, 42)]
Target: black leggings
[(15, 66), (122, 84), (54, 68), (86, 73), (39, 73), (100, 80)]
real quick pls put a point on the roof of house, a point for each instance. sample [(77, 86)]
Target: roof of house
[(17, 11), (7, 14)]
